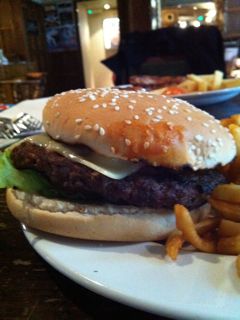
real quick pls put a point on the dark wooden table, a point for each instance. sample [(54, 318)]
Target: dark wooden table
[(31, 289)]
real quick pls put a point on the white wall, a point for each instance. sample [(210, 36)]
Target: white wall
[(92, 46)]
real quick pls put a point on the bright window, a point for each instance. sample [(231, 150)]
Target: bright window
[(111, 33)]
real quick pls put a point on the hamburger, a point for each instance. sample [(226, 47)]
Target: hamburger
[(112, 164)]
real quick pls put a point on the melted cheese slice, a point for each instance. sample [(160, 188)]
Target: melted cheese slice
[(111, 167)]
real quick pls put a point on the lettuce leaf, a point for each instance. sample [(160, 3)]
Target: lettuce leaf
[(25, 180)]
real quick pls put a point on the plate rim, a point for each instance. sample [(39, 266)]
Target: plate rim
[(207, 93)]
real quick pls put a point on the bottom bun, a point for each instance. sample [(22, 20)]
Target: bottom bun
[(94, 222)]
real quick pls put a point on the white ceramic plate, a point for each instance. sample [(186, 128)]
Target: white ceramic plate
[(197, 286), (210, 97)]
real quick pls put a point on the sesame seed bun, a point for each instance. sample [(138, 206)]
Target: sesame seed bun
[(139, 126), (94, 222)]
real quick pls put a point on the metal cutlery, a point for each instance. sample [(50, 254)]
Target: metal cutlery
[(23, 125)]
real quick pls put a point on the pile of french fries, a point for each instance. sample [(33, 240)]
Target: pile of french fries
[(207, 82), (219, 233)]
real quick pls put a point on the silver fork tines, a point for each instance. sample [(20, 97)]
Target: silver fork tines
[(23, 125)]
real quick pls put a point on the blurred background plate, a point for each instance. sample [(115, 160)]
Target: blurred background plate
[(210, 97)]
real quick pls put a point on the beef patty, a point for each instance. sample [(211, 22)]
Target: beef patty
[(154, 187)]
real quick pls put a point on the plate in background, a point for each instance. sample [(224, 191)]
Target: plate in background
[(210, 97)]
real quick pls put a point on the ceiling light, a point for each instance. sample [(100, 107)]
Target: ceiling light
[(107, 6), (196, 23), (182, 24), (208, 19)]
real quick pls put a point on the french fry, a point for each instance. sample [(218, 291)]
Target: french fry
[(230, 83), (229, 245), (188, 85), (217, 80), (238, 265), (235, 119), (208, 82), (235, 131), (227, 192), (176, 240), (207, 77), (227, 210), (185, 224), (226, 122), (202, 85), (174, 244), (233, 173), (228, 228)]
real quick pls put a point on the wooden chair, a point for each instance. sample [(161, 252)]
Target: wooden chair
[(16, 90)]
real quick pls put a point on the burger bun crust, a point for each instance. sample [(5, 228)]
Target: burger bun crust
[(160, 130), (94, 222)]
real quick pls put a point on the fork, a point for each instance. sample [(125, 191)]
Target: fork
[(24, 125)]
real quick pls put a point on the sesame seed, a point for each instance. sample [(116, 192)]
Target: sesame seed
[(198, 151), (77, 136), (88, 127), (82, 100), (193, 147), (156, 120), (101, 131), (133, 101), (128, 121), (78, 121), (198, 138), (117, 108), (172, 111), (164, 107), (57, 136), (189, 118), (146, 144), (96, 127), (213, 131), (104, 105), (130, 107), (150, 109), (136, 117), (96, 106), (159, 111), (205, 124), (127, 142), (92, 97)]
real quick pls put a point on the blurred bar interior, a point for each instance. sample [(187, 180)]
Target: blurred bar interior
[(49, 46)]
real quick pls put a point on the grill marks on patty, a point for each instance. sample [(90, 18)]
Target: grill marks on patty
[(154, 187)]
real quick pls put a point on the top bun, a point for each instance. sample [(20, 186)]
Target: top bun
[(139, 126)]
